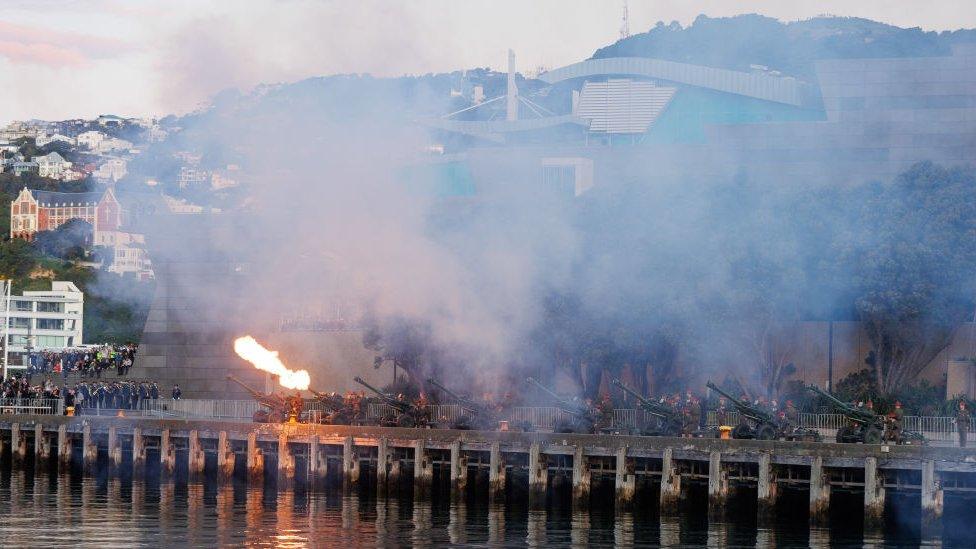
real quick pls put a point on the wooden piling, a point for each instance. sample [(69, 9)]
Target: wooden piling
[(538, 476), (496, 474), (625, 480), (932, 504), (382, 465), (423, 471), (64, 447), (286, 462), (819, 493), (226, 459), (255, 460), (320, 471), (766, 490), (459, 471), (350, 465), (89, 451), (581, 479), (874, 495), (114, 451), (138, 453), (670, 484), (18, 444), (196, 460), (167, 456), (718, 485), (42, 445)]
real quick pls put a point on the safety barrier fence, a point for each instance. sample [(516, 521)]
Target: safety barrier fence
[(31, 406), (936, 428)]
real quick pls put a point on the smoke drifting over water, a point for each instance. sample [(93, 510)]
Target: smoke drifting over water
[(669, 278)]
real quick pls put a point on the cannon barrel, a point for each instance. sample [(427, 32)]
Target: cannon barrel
[(852, 413), (748, 410), (360, 381), (447, 391), (324, 398), (562, 403), (828, 396), (544, 389), (648, 406), (401, 406), (735, 402), (253, 392)]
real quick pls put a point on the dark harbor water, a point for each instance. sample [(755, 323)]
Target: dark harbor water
[(47, 509)]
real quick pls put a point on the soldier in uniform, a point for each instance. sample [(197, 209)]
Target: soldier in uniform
[(963, 421), (695, 413), (894, 423), (792, 414), (722, 412)]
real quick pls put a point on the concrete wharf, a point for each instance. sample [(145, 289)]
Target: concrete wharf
[(392, 460)]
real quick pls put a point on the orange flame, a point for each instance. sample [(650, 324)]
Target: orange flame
[(263, 359)]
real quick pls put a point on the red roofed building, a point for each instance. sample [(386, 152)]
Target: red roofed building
[(33, 211)]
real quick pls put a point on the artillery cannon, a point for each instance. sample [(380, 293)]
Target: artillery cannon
[(761, 424), (668, 420), (404, 414), (280, 408), (866, 426), (582, 417), (337, 412), (475, 416)]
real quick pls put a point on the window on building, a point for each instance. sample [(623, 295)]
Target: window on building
[(50, 324), (17, 322), (19, 305), (17, 340), (50, 307), (50, 341)]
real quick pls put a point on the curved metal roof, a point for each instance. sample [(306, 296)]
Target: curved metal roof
[(490, 129), (760, 86)]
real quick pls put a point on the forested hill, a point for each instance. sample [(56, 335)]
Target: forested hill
[(791, 48)]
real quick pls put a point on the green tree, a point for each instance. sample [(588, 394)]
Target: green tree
[(914, 267)]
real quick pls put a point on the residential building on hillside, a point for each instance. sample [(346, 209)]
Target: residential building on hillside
[(46, 319), (43, 140), (129, 254), (21, 167), (110, 120), (91, 139), (112, 169), (52, 165), (192, 176), (110, 144), (33, 211)]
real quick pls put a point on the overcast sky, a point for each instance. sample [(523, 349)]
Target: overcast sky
[(68, 58)]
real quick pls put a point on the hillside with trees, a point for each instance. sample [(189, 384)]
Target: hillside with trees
[(788, 47)]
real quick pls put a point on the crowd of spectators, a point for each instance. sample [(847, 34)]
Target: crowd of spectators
[(89, 361), (126, 395)]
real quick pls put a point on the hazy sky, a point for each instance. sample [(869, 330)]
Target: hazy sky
[(69, 58)]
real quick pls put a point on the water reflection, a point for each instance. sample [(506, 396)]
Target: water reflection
[(45, 509)]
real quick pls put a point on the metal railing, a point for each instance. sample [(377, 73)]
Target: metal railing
[(44, 406), (936, 428)]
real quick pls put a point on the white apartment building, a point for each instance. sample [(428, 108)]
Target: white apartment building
[(90, 139), (45, 319), (112, 169)]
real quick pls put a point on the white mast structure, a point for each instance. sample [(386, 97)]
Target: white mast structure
[(625, 23), (6, 284), (511, 104)]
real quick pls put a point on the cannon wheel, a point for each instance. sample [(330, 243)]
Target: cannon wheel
[(406, 420), (766, 432), (742, 431), (872, 435), (843, 434)]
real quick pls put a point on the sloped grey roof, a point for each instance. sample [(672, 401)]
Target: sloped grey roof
[(50, 198)]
